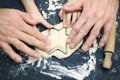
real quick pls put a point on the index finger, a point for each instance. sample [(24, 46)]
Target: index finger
[(34, 32)]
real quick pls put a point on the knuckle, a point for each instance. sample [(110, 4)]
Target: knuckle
[(83, 32), (32, 41), (85, 14), (75, 41), (10, 30), (35, 31), (107, 32), (20, 46), (76, 28), (20, 24), (95, 32), (111, 17), (97, 14), (86, 11), (17, 11), (30, 52)]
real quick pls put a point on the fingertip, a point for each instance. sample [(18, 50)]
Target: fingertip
[(50, 26), (47, 48), (72, 45), (60, 14), (101, 44), (69, 40), (64, 24), (48, 42), (67, 8), (85, 48), (46, 24), (33, 21), (61, 18), (18, 59), (36, 55), (27, 18)]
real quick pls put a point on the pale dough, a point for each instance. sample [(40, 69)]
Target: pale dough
[(59, 47)]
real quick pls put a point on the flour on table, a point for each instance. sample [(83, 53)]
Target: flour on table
[(78, 72), (51, 67)]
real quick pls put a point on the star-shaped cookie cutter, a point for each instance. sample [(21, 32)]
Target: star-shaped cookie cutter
[(59, 46)]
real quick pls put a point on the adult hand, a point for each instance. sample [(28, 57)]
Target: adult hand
[(69, 18), (95, 15), (16, 28)]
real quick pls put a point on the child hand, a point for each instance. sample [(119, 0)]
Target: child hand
[(33, 11)]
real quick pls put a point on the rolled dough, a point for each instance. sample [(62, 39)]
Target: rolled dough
[(59, 47)]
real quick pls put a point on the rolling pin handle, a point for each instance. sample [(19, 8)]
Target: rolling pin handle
[(107, 61)]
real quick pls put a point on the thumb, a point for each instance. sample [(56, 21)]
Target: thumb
[(45, 23), (27, 18), (74, 7)]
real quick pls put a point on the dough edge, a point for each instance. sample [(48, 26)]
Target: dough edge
[(57, 53)]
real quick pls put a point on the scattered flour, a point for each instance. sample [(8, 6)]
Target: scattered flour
[(54, 68), (78, 72), (52, 6)]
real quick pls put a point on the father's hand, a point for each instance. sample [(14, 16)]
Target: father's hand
[(95, 15), (16, 28)]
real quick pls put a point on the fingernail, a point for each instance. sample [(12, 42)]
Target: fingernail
[(72, 45), (68, 25), (60, 17), (64, 25), (18, 59), (85, 48), (36, 56), (81, 50), (66, 7), (47, 48), (33, 20), (68, 40), (101, 44), (48, 42)]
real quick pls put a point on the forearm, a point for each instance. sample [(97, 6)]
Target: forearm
[(30, 6)]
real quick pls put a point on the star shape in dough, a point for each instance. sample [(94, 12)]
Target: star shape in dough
[(59, 47)]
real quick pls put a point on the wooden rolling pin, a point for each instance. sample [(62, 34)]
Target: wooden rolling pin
[(109, 48)]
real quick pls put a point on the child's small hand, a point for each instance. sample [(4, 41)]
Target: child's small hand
[(33, 11), (36, 15)]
